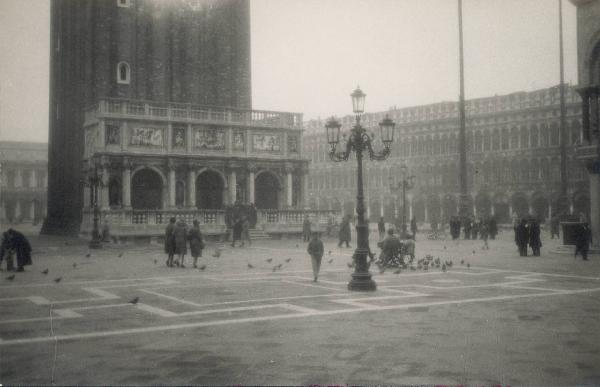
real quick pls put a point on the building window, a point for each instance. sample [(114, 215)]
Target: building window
[(124, 3), (123, 73)]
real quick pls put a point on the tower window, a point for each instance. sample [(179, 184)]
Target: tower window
[(124, 3), (123, 73)]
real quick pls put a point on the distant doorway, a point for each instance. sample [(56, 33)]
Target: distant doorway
[(146, 190), (209, 191), (267, 191)]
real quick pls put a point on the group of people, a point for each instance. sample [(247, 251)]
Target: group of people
[(239, 219), (474, 228), (527, 233), (177, 237), (14, 244)]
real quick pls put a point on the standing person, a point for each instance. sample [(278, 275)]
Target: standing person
[(180, 238), (582, 241), (246, 231), (252, 216), (413, 227), (7, 251), (522, 237), (493, 228), (229, 221), (170, 242), (483, 231), (306, 235), (381, 228), (390, 249), (344, 234), (467, 227), (554, 227), (196, 242), (237, 231), (475, 229), (534, 237), (315, 250)]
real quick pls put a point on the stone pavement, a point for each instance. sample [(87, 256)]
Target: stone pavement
[(504, 320)]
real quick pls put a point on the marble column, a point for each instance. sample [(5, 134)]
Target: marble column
[(410, 209), (232, 186), (172, 184), (289, 189), (595, 208), (126, 186), (104, 202), (250, 186), (191, 185)]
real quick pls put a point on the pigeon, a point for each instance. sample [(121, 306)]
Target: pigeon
[(468, 265), (10, 277), (57, 280), (444, 247), (473, 252), (450, 263), (397, 271), (120, 255), (134, 301), (289, 259), (462, 261), (250, 266), (74, 265), (217, 254), (45, 271), (202, 267), (269, 260), (329, 252), (88, 255), (297, 245), (331, 260), (349, 265), (279, 266), (155, 261)]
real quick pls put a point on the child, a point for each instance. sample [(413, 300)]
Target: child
[(315, 249)]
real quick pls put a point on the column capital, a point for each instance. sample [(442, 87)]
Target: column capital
[(288, 167), (251, 167)]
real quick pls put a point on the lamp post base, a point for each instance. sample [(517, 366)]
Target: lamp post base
[(362, 282)]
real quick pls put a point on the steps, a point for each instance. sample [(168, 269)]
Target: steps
[(256, 234)]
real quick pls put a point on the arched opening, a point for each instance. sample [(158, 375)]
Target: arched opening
[(501, 209), (520, 205), (267, 191), (114, 192), (123, 73), (483, 204), (146, 190), (209, 190)]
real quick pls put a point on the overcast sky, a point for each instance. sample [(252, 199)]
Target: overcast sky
[(308, 55)]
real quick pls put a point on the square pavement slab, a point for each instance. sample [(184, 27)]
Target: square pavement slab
[(254, 316)]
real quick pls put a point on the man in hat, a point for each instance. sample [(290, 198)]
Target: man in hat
[(315, 250)]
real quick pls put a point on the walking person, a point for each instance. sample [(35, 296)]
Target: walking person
[(196, 242), (252, 215), (381, 228), (492, 228), (306, 234), (522, 237), (170, 242), (237, 231), (315, 250), (484, 233), (344, 234), (246, 231), (535, 240), (180, 238), (7, 252), (582, 241), (555, 227), (15, 243), (413, 227)]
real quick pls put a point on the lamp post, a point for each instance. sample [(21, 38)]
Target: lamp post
[(406, 184), (94, 181), (359, 142)]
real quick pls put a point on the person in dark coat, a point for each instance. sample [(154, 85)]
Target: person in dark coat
[(534, 237), (306, 229), (245, 231), (483, 231), (170, 242), (252, 215), (344, 234), (315, 250), (492, 228), (237, 231), (381, 228), (180, 239), (555, 227), (390, 248), (7, 252), (413, 227), (196, 242), (582, 241), (522, 237), (14, 242)]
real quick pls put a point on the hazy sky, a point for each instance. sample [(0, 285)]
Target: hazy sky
[(308, 55)]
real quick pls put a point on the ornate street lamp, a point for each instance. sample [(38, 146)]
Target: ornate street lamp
[(406, 184), (360, 141), (95, 181)]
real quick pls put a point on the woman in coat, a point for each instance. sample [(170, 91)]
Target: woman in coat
[(534, 237), (180, 237), (170, 242), (344, 234), (196, 242)]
